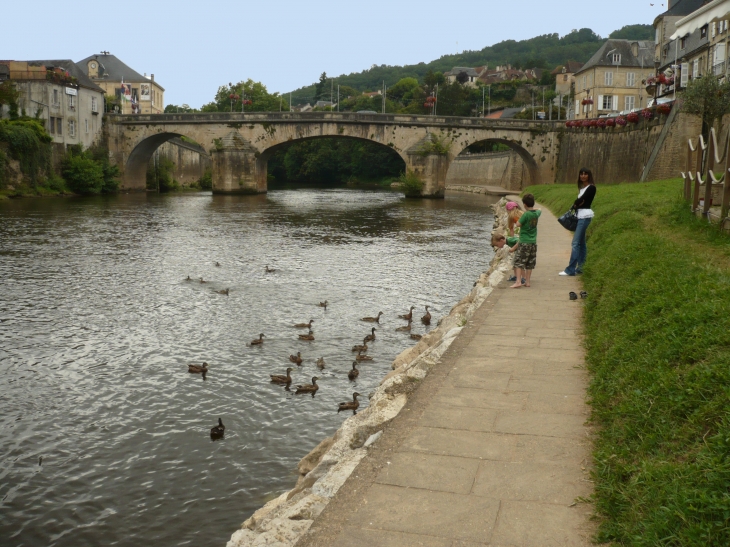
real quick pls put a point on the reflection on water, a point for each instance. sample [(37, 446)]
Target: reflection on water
[(105, 436)]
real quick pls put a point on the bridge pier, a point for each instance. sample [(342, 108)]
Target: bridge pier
[(431, 169), (237, 167)]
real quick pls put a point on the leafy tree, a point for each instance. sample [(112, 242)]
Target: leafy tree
[(320, 87), (180, 109), (432, 79), (634, 32), (403, 88), (82, 174), (462, 77), (256, 92), (709, 98)]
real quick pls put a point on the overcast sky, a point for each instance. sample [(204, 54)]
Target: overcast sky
[(192, 47)]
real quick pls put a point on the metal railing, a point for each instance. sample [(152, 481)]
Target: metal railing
[(718, 69)]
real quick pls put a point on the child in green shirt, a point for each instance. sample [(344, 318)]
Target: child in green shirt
[(526, 255), (499, 240)]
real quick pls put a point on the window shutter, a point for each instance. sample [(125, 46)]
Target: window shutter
[(714, 29), (614, 105), (599, 106), (684, 74)]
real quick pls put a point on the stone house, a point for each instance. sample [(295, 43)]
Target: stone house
[(611, 81), (70, 105), (565, 77), (471, 75), (135, 93)]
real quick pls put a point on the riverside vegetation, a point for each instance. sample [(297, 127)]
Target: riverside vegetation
[(657, 334)]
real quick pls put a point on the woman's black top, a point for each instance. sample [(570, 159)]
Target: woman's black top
[(585, 201)]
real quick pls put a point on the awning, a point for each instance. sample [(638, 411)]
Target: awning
[(716, 10)]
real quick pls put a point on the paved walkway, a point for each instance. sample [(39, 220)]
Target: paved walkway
[(492, 449)]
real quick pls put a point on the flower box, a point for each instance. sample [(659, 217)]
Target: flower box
[(632, 117)]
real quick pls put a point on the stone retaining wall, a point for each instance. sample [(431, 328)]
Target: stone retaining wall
[(505, 169), (190, 161), (282, 521)]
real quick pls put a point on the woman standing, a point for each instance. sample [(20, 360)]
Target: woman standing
[(582, 206)]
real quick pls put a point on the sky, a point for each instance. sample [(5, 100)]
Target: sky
[(194, 47)]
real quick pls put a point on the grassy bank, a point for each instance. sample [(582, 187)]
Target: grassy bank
[(658, 349)]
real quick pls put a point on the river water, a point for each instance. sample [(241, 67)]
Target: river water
[(104, 435)]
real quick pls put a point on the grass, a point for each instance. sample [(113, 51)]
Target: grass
[(657, 330)]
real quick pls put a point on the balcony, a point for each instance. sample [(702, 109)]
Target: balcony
[(718, 69)]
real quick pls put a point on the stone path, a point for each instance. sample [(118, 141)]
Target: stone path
[(492, 449)]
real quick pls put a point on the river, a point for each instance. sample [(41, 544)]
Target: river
[(104, 435)]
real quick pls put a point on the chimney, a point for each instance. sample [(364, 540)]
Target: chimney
[(152, 77)]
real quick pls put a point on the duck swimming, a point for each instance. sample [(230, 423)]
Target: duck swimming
[(370, 337), (372, 319), (408, 316), (416, 336), (308, 337), (270, 270), (217, 431), (323, 304), (354, 373), (258, 341), (296, 358), (363, 347), (361, 357), (224, 291), (308, 388), (202, 281), (426, 319), (304, 325), (349, 406), (407, 328), (281, 379), (320, 363), (198, 369)]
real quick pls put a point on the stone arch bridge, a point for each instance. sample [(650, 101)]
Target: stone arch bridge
[(240, 144)]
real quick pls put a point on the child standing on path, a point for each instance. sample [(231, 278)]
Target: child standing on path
[(526, 255)]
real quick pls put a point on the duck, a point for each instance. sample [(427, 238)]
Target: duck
[(281, 379), (320, 363), (407, 328), (224, 291), (296, 358), (258, 341), (426, 319), (364, 346), (416, 336), (361, 357), (202, 281), (188, 278), (304, 325), (218, 264), (349, 406), (323, 304), (309, 388), (270, 270), (408, 316), (309, 337), (372, 319), (198, 369), (354, 373), (370, 337), (217, 431)]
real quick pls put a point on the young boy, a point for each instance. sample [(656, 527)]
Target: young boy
[(526, 255), (499, 240)]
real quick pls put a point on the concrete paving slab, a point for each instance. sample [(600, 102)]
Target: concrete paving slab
[(456, 417), (556, 403), (550, 355), (534, 524), (549, 425), (565, 385), (508, 341), (506, 365), (520, 481), (567, 344), (570, 334), (486, 350), (469, 378), (424, 512), (430, 472), (363, 537), (480, 398)]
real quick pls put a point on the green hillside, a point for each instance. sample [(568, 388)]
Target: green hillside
[(547, 51)]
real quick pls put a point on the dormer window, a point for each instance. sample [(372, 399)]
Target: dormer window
[(683, 42), (703, 32), (616, 58)]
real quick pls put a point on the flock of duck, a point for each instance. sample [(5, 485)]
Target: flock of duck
[(218, 431)]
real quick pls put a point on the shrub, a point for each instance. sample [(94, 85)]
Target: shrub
[(206, 181), (82, 174), (28, 143), (411, 183)]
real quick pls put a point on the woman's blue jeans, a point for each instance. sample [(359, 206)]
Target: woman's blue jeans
[(580, 250)]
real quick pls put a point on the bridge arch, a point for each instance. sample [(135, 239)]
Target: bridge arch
[(135, 167), (529, 161)]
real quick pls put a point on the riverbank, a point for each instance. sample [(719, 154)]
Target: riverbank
[(285, 519), (658, 346)]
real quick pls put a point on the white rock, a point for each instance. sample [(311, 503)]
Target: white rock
[(372, 438)]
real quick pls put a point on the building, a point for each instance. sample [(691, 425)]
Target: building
[(134, 93), (471, 75), (565, 77), (70, 105), (611, 81)]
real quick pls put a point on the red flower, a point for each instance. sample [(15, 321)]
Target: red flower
[(664, 109), (601, 123), (585, 123), (632, 117), (621, 121), (610, 122), (647, 114)]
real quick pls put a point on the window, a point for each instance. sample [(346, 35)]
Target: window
[(72, 101), (59, 126), (695, 68), (608, 78), (565, 77), (616, 58), (93, 105), (629, 103), (584, 82), (55, 97), (714, 29), (86, 122), (51, 126), (683, 42), (607, 102), (630, 79), (71, 128), (703, 32)]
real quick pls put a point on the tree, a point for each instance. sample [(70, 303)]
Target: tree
[(634, 32), (319, 88), (462, 77), (181, 109), (432, 79), (256, 92), (709, 98)]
